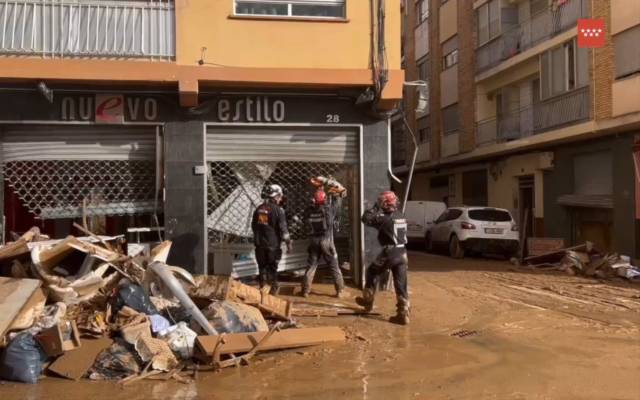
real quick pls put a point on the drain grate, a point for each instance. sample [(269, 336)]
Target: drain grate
[(464, 333)]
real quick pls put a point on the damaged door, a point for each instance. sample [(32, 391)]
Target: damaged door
[(242, 160)]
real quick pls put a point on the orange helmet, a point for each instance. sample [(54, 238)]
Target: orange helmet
[(388, 201), (319, 197)]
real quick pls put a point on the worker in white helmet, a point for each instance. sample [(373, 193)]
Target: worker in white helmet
[(269, 225)]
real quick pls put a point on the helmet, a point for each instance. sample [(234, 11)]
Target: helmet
[(272, 191), (388, 201), (319, 197)]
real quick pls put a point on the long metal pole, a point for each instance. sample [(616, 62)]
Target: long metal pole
[(407, 189)]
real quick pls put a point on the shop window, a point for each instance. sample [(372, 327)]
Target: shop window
[(291, 8), (627, 52), (488, 21), (563, 68), (422, 11), (450, 51), (450, 119)]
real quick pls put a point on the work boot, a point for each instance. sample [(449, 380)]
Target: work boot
[(402, 312), (366, 301), (340, 294)]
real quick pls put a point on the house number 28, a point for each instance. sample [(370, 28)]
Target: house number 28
[(333, 118)]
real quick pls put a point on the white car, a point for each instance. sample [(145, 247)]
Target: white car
[(420, 216), (474, 230)]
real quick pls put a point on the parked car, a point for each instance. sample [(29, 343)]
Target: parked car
[(420, 216), (474, 229)]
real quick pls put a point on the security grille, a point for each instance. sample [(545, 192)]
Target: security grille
[(52, 189), (234, 191)]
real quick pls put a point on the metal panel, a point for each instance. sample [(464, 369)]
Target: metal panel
[(282, 144), (593, 174), (37, 143)]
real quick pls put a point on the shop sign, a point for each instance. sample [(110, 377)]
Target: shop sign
[(251, 109), (109, 109)]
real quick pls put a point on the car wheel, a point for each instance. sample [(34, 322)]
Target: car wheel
[(428, 243), (455, 248)]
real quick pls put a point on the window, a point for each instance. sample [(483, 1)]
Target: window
[(490, 214), (423, 70), (627, 52), (450, 119), (422, 11), (450, 53), (424, 130), (292, 8), (488, 21), (563, 69)]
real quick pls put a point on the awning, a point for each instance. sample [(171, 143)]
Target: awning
[(586, 200)]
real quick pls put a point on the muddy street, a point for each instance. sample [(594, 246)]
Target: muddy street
[(479, 330)]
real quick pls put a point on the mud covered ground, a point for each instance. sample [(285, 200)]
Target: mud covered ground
[(479, 330)]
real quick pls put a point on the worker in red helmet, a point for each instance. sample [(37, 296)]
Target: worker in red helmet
[(321, 217), (392, 236)]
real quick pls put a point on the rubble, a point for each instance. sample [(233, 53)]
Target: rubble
[(79, 307), (586, 260)]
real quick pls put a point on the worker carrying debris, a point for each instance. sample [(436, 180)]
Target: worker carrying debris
[(392, 235), (321, 219), (269, 225)]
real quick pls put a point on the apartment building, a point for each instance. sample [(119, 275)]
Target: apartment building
[(175, 114), (519, 117)]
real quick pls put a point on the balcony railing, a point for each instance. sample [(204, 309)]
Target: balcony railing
[(553, 113), (540, 27), (94, 28)]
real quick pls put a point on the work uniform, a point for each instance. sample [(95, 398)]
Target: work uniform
[(392, 236), (269, 225), (320, 220)]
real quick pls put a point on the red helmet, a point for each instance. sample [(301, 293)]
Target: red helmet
[(388, 201), (319, 197)]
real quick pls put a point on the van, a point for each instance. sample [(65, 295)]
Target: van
[(420, 216)]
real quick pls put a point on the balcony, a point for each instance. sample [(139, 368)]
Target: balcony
[(556, 112), (540, 27), (96, 28)]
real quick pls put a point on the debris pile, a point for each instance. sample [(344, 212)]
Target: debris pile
[(586, 260), (79, 307)]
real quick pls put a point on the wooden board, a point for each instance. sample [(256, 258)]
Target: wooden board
[(19, 247), (286, 339), (537, 246), (14, 294), (75, 363), (28, 312)]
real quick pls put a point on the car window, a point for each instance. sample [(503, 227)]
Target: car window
[(454, 214), (488, 214), (442, 217)]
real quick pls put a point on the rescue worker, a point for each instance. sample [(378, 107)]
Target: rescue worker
[(269, 225), (392, 236), (320, 218)]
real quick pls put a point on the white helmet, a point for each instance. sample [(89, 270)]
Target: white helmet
[(274, 191)]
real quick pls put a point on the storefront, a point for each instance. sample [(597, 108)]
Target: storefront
[(587, 200), (138, 159)]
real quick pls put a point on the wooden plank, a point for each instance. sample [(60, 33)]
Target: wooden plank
[(28, 312), (14, 294), (18, 248), (286, 339), (75, 363)]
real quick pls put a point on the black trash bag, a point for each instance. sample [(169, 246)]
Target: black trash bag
[(22, 360), (134, 296)]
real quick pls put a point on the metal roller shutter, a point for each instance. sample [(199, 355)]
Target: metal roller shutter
[(282, 144), (57, 170), (34, 143)]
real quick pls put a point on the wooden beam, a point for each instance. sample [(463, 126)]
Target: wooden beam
[(14, 294), (286, 339)]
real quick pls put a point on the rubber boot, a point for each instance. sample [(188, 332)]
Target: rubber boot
[(366, 301), (402, 312), (305, 291)]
